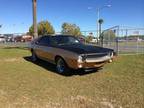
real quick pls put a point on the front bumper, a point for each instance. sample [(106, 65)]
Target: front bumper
[(91, 65), (89, 62), (95, 62)]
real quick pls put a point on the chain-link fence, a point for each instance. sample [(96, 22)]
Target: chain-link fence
[(14, 40), (123, 40)]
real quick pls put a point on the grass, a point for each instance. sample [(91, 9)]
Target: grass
[(127, 43), (24, 84)]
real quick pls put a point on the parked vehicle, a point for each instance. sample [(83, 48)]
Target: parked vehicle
[(2, 39), (25, 38), (9, 39), (68, 52), (18, 39)]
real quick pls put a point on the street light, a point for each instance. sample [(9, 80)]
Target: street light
[(34, 2), (98, 17)]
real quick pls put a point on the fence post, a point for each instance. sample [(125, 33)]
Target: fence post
[(117, 44)]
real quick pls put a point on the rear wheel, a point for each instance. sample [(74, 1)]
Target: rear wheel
[(61, 66), (34, 57)]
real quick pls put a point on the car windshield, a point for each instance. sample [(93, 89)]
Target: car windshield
[(63, 40)]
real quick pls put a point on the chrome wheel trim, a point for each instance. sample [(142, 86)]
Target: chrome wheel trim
[(60, 66)]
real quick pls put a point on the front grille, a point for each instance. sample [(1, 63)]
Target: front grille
[(90, 56), (97, 57)]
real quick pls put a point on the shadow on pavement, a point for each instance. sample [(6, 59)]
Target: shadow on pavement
[(52, 68)]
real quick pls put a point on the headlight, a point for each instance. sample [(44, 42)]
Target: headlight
[(81, 59)]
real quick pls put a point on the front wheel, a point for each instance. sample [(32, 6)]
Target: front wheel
[(61, 66)]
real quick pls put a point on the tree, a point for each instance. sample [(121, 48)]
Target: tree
[(70, 29), (31, 30), (90, 37), (35, 18), (44, 28)]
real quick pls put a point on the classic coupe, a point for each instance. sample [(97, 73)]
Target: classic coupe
[(67, 52)]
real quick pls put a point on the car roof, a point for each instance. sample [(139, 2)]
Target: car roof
[(61, 35)]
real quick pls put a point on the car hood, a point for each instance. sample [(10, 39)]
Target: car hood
[(85, 49)]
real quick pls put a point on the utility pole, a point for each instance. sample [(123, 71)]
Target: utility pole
[(34, 2), (98, 17)]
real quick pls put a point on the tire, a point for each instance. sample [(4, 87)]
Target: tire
[(34, 57), (61, 66)]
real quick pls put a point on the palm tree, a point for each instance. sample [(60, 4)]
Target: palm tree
[(100, 21), (34, 2)]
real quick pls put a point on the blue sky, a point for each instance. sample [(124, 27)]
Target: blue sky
[(16, 15)]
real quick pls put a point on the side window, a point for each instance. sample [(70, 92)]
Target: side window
[(53, 41), (44, 41)]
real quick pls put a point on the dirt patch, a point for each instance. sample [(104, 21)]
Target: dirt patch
[(72, 102), (12, 60), (107, 104), (2, 93)]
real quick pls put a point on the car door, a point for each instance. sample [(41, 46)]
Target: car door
[(44, 49)]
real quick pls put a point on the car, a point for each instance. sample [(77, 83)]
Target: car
[(18, 39), (67, 52), (9, 39), (2, 39), (24, 38)]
